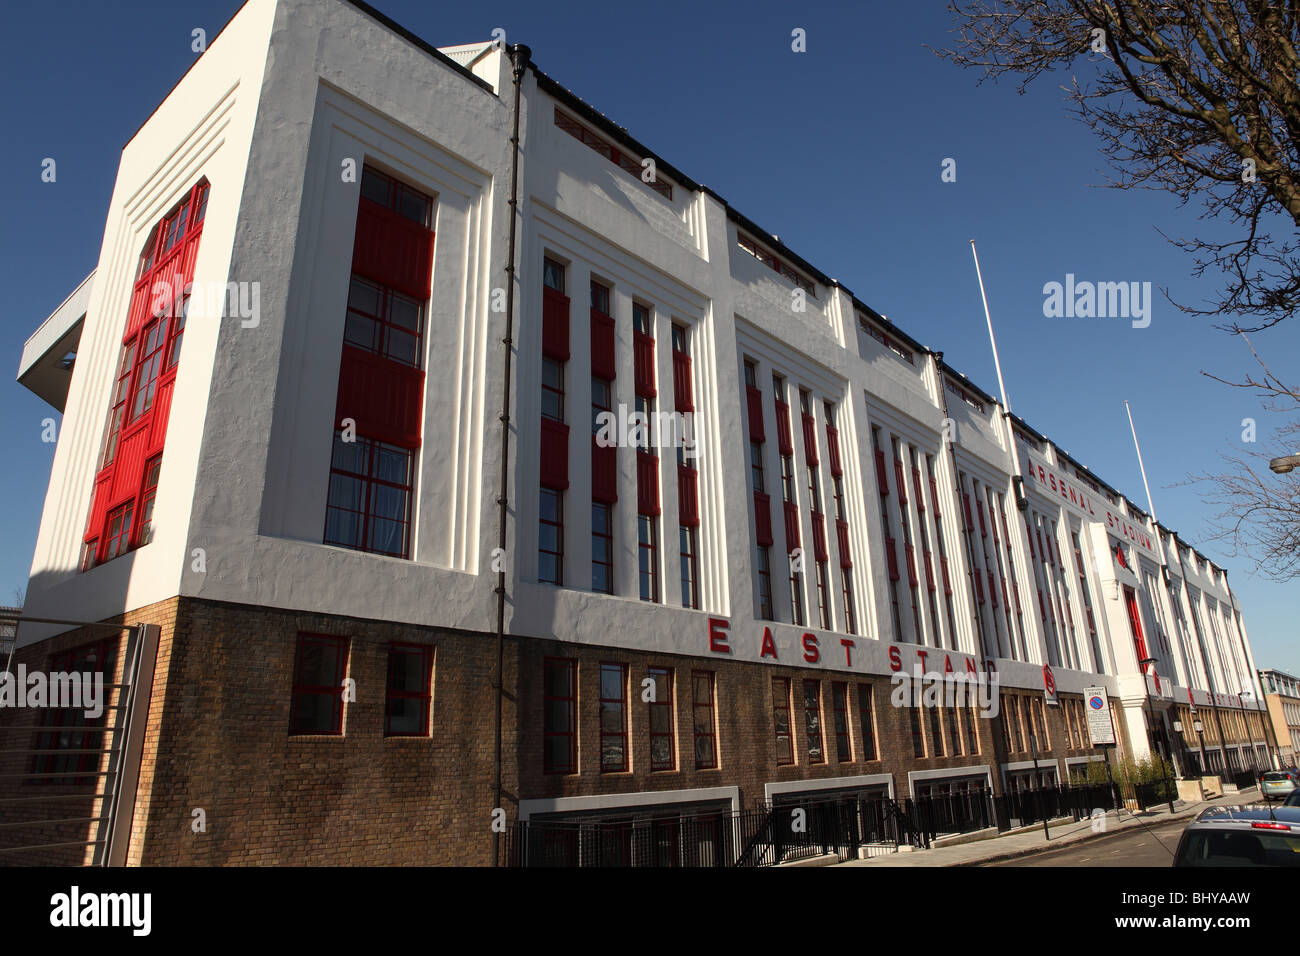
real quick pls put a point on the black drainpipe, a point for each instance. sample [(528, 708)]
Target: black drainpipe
[(519, 56)]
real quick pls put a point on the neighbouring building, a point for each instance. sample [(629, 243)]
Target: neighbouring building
[(1282, 694), (283, 449)]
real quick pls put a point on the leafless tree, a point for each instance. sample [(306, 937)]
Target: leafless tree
[(1199, 98), (1258, 512)]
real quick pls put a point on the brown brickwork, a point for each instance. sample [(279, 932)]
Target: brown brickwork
[(218, 740)]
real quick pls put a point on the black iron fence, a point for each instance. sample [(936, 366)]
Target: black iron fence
[(749, 838), (1244, 779), (799, 830)]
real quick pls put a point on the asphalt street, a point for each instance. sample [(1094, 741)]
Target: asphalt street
[(1140, 846)]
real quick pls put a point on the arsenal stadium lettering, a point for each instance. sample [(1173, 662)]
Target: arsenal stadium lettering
[(1087, 505)]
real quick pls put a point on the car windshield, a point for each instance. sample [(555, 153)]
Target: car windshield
[(1240, 848), (1274, 775)]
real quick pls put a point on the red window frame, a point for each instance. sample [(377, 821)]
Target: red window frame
[(299, 724), (613, 718), (372, 486), (840, 718), (972, 732), (148, 493), (624, 161), (688, 553), (918, 735), (812, 720), (954, 730), (423, 653), (68, 730), (704, 714), (117, 530), (393, 194), (558, 524), (552, 389), (567, 729), (663, 739), (866, 713), (936, 731), (145, 390), (602, 532), (784, 740), (766, 609), (648, 557), (138, 411), (380, 321)]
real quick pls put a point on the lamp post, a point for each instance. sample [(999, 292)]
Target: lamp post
[(1200, 735), (1284, 464), (1042, 804)]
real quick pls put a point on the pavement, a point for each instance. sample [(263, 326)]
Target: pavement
[(1064, 832)]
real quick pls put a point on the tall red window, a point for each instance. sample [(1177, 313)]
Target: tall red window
[(147, 495), (369, 504), (550, 545), (865, 709), (704, 717), (381, 379), (81, 738), (319, 666), (602, 548), (560, 716), (554, 471), (812, 713), (781, 721), (648, 557), (137, 418), (410, 690), (613, 718), (663, 744), (840, 713)]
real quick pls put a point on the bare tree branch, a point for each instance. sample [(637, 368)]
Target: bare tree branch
[(1198, 98)]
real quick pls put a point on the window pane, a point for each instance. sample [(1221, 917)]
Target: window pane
[(364, 297), (405, 313), (375, 186), (405, 715), (361, 331)]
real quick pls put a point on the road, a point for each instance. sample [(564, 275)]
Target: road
[(1139, 846)]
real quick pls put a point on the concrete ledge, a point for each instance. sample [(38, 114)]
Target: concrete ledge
[(826, 859), (957, 839)]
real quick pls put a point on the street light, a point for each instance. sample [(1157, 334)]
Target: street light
[(1200, 735), (1284, 464)]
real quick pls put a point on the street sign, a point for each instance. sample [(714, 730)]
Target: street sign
[(1049, 686), (1100, 728)]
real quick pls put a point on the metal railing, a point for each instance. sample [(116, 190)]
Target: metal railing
[(747, 838), (67, 789)]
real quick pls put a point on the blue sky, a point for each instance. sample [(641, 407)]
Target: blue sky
[(838, 150)]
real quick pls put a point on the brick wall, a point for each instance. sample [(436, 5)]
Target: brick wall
[(218, 740)]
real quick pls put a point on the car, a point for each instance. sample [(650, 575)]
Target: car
[(1293, 800), (1241, 836), (1278, 784)]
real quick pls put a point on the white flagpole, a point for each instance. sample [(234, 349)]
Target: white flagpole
[(1150, 504), (1017, 481)]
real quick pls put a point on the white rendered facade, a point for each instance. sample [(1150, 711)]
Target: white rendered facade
[(242, 494)]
